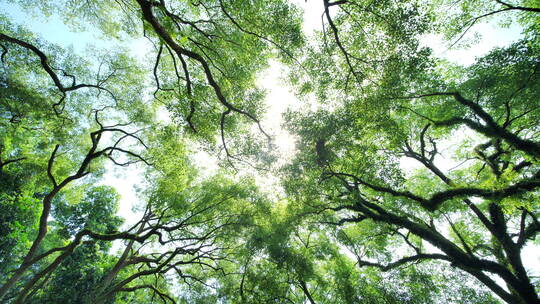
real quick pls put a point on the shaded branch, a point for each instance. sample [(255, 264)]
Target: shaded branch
[(414, 258)]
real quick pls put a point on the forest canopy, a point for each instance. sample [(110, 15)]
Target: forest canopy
[(415, 175)]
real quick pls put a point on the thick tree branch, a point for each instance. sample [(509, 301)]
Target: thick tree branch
[(491, 129), (406, 260), (521, 8)]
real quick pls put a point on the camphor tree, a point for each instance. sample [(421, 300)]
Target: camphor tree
[(476, 216), (205, 56), (285, 260), (52, 136), (187, 230), (63, 115), (354, 225)]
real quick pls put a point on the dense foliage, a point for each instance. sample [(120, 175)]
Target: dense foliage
[(415, 178)]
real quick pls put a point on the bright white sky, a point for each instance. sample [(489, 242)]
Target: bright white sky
[(279, 96)]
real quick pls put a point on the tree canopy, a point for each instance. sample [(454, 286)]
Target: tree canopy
[(415, 176)]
